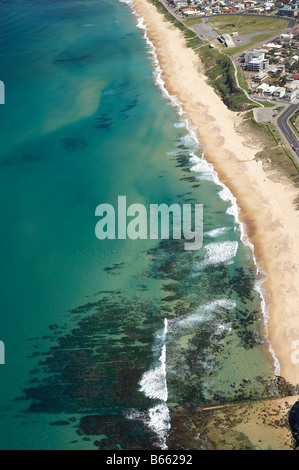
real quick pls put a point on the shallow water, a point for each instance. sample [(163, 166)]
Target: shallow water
[(104, 338)]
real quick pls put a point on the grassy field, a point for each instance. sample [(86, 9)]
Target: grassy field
[(192, 22), (246, 24), (242, 79)]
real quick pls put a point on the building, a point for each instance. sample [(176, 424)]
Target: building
[(293, 85), (227, 40), (277, 70), (279, 92), (273, 45), (256, 61), (286, 36), (292, 95), (260, 77), (269, 5), (190, 12), (270, 91), (289, 10), (180, 3), (262, 88)]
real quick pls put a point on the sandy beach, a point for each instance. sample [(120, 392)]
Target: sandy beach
[(266, 203)]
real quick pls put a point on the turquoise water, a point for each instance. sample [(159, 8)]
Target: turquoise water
[(105, 338)]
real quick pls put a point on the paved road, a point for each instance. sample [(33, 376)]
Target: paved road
[(282, 123)]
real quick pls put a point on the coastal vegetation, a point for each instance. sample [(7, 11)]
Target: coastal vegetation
[(294, 122), (275, 153), (221, 73)]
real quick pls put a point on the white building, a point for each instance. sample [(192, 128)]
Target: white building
[(279, 92), (262, 88), (286, 36), (270, 90), (292, 95), (256, 61)]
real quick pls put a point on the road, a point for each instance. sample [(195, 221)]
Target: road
[(285, 129)]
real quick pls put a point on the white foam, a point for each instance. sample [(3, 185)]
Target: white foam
[(154, 385), (221, 252), (202, 314), (187, 141), (179, 125), (157, 419), (201, 166), (216, 232)]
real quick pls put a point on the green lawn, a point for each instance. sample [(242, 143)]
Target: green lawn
[(246, 24), (242, 79), (192, 22)]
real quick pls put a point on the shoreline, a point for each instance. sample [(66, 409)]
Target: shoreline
[(271, 229)]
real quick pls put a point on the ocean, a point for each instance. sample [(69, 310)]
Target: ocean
[(109, 344)]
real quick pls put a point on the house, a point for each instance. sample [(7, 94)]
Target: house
[(260, 77), (279, 92), (277, 70), (273, 45), (286, 36), (289, 10), (270, 91), (190, 12), (293, 85), (293, 77), (180, 3), (292, 95), (262, 88), (269, 5)]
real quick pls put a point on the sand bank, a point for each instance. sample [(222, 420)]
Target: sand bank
[(267, 206)]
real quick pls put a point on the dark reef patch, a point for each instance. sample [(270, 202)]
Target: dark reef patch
[(11, 161), (75, 143)]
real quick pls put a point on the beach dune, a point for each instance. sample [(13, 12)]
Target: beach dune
[(267, 206)]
